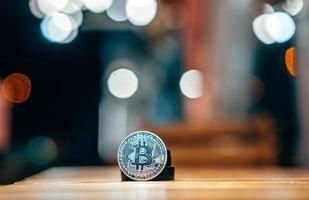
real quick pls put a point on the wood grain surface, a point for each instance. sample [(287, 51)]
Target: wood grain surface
[(191, 183)]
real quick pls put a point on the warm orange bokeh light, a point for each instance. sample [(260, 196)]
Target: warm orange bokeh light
[(16, 88), (290, 60)]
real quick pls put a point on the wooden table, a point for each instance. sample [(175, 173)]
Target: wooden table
[(104, 183)]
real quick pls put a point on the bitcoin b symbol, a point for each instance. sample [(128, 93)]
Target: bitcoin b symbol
[(138, 154)]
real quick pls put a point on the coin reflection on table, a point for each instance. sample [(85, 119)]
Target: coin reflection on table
[(142, 155)]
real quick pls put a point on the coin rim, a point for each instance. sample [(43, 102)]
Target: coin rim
[(165, 160)]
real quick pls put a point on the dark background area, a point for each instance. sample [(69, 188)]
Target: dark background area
[(65, 86)]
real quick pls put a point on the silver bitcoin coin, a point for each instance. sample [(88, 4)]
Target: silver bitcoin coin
[(142, 156)]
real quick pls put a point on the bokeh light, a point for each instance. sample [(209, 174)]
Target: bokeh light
[(276, 27), (77, 18), (280, 26), (73, 6), (57, 27), (260, 29), (122, 83), (117, 11), (35, 10), (41, 150), (293, 7), (191, 84), (71, 37), (16, 88), (49, 6), (141, 12), (290, 61), (61, 18), (97, 6), (268, 9)]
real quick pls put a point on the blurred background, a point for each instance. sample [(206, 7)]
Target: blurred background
[(222, 82)]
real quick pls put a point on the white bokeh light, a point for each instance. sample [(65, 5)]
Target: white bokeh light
[(97, 6), (260, 31), (77, 19), (73, 6), (34, 9), (293, 7), (280, 26), (117, 11), (275, 27), (268, 9), (122, 83), (191, 84), (141, 12), (71, 37), (57, 27), (58, 4), (140, 3), (50, 6)]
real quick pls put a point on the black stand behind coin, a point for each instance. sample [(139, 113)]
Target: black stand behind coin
[(168, 173)]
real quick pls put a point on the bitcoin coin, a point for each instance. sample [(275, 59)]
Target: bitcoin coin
[(142, 155)]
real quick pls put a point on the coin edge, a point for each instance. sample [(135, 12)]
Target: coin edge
[(165, 160)]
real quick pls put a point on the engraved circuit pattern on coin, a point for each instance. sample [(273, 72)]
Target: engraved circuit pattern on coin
[(142, 155)]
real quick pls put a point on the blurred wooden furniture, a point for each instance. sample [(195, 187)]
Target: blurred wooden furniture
[(222, 143), (199, 183)]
